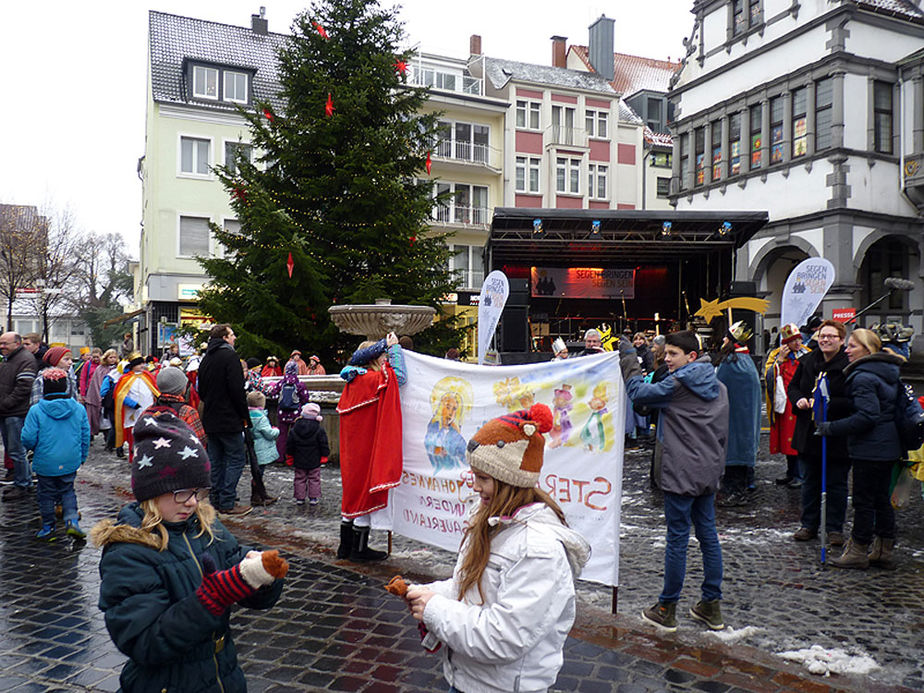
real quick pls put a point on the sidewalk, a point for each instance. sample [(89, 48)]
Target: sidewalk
[(336, 628)]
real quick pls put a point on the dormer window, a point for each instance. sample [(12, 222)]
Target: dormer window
[(205, 82), (215, 83)]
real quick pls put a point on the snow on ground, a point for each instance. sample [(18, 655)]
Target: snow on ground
[(820, 660), (733, 635)]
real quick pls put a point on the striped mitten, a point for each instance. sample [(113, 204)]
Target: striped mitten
[(220, 589)]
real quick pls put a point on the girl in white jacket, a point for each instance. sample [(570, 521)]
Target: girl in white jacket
[(504, 615)]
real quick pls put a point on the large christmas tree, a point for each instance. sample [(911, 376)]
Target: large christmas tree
[(333, 209)]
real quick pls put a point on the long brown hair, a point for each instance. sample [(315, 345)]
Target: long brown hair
[(476, 540)]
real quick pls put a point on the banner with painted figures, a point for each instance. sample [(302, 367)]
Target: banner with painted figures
[(443, 404), (806, 285)]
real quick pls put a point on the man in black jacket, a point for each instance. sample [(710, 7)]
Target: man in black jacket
[(224, 417), (16, 376)]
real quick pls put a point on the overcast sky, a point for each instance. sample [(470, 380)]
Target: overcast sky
[(72, 104)]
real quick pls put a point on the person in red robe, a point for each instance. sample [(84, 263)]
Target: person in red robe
[(371, 459), (782, 363)]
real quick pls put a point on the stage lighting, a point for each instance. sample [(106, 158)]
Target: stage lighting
[(538, 231), (725, 229), (666, 229), (595, 228)]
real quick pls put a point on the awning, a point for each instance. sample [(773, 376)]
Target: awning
[(569, 237)]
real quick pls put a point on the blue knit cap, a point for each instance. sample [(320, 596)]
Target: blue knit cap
[(363, 356)]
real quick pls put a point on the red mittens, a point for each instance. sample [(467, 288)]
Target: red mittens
[(323, 460), (220, 589), (290, 460)]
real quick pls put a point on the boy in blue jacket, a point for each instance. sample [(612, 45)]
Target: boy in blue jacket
[(692, 437), (58, 430)]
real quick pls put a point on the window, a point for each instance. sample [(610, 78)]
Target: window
[(756, 117), (882, 117), (468, 263), (563, 124), (528, 114), (194, 156), (567, 175), (734, 144), (746, 15), (595, 123), (596, 181), (205, 82), (664, 187), (428, 77), (799, 123), (655, 120), (717, 150), (700, 152), (776, 130), (662, 159), (232, 151), (463, 141), (527, 174), (462, 204), (194, 236), (232, 226), (235, 86), (824, 112), (685, 161)]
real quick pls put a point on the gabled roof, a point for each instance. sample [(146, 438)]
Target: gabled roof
[(173, 39), (502, 71), (633, 73), (899, 8)]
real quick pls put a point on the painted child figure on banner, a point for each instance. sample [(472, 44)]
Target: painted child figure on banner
[(370, 442), (561, 416), (505, 613), (594, 432), (451, 399)]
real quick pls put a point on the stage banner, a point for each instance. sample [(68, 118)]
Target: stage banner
[(806, 285), (491, 302), (443, 404), (582, 282)]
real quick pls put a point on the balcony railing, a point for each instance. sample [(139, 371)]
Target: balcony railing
[(423, 75), (467, 216), (468, 152), (561, 134)]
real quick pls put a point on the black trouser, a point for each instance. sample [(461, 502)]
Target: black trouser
[(837, 472), (872, 502)]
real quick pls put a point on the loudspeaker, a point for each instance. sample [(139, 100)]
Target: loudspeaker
[(514, 332)]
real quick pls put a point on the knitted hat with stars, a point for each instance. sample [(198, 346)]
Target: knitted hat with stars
[(168, 457)]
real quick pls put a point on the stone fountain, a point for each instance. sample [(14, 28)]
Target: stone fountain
[(374, 321)]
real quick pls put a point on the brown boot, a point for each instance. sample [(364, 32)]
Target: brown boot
[(880, 553), (854, 556)]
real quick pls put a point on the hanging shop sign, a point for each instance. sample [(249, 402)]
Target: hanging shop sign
[(582, 282)]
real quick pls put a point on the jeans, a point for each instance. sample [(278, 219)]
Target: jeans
[(53, 489), (11, 428), (793, 467), (309, 479), (872, 502), (679, 511), (837, 473), (227, 454)]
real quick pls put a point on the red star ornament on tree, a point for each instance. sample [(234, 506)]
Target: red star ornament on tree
[(401, 67), (329, 106), (413, 240), (269, 114), (290, 265), (240, 193), (321, 30), (429, 163)]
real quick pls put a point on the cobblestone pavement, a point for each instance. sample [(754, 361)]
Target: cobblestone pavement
[(336, 629)]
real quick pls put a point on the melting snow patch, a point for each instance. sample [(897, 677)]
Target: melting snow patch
[(819, 660), (730, 635)]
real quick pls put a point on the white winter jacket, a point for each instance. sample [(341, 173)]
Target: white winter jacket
[(513, 642)]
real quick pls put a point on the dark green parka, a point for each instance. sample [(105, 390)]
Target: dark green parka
[(152, 613)]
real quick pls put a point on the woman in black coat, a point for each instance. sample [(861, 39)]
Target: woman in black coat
[(828, 358), (872, 443)]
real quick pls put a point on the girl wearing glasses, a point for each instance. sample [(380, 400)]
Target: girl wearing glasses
[(171, 571)]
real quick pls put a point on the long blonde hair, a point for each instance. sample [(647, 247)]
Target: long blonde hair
[(477, 537), (153, 521), (373, 365)]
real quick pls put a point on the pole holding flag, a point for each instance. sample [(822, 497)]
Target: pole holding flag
[(820, 398)]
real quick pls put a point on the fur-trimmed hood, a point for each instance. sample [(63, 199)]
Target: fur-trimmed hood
[(126, 529)]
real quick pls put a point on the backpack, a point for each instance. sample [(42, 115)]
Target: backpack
[(288, 397), (909, 418)]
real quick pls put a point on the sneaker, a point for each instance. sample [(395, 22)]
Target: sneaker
[(313, 501), (795, 483), (47, 532), (662, 615), (836, 538), (73, 530), (9, 477), (16, 493), (709, 613), (237, 511), (299, 501), (805, 534)]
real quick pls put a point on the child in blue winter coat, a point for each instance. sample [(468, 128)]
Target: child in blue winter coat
[(58, 430), (264, 443)]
